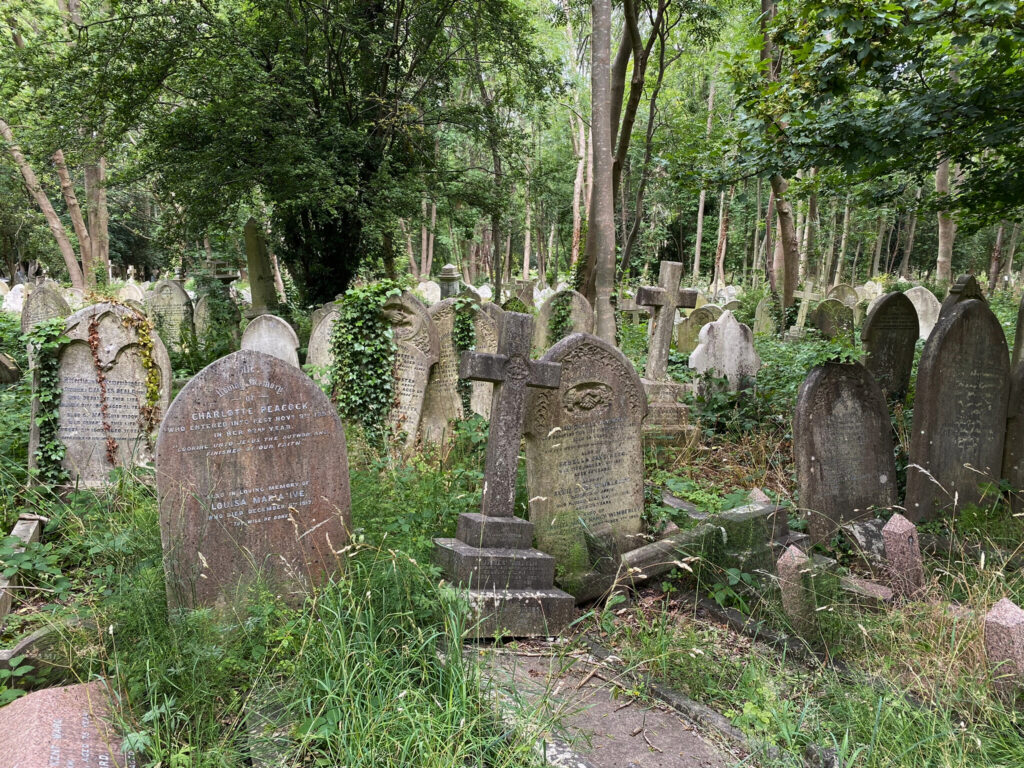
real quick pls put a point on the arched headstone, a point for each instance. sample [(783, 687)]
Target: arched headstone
[(927, 307), (252, 479), (959, 412), (273, 336), (727, 348), (833, 318), (845, 294), (46, 302), (442, 404), (578, 318), (171, 310), (318, 351), (688, 331), (889, 336), (418, 350)]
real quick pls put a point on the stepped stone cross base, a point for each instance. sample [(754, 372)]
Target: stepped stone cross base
[(667, 422)]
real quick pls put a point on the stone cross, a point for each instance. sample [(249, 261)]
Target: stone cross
[(806, 296), (664, 298), (511, 371)]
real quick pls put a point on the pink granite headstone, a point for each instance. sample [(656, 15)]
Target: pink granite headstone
[(903, 555), (62, 727), (1004, 644)]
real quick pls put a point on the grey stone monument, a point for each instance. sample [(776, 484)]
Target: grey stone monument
[(418, 349), (727, 348), (442, 403), (261, 271), (927, 307), (270, 334), (510, 584), (580, 319), (889, 335), (449, 280), (171, 310)]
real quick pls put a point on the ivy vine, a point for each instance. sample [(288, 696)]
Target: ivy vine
[(515, 304), (46, 340), (464, 338), (359, 380), (149, 414), (560, 319)]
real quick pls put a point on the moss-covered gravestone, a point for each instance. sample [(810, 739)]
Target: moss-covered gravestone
[(171, 310), (418, 349)]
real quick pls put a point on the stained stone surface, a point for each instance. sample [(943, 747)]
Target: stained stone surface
[(889, 335), (964, 289), (46, 302), (67, 727), (204, 321), (252, 478), (842, 444), (1013, 446), (4, 288), (580, 318), (960, 411), (130, 291), (833, 318), (449, 281), (318, 352), (845, 294), (688, 331), (485, 333), (442, 403), (927, 306), (9, 370), (262, 292), (418, 350), (273, 336), (1004, 645), (793, 572), (171, 310), (727, 348), (430, 291), (92, 415), (1018, 337), (903, 555), (14, 300), (764, 321), (584, 459)]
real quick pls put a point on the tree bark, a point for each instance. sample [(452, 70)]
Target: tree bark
[(97, 212), (908, 243), (67, 189), (414, 268), (600, 246), (527, 238), (723, 239), (787, 272), (577, 192), (843, 241), (53, 221), (947, 227), (703, 191), (996, 260), (876, 254)]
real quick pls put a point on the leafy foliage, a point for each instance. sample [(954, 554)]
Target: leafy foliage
[(46, 340)]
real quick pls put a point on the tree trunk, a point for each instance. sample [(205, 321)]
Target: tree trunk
[(577, 193), (947, 227), (811, 226), (787, 271), (843, 240), (996, 260), (431, 237), (703, 191), (908, 243), (723, 239), (98, 213), (414, 269), (876, 254), (1012, 249), (53, 221), (527, 239), (67, 189), (600, 247), (826, 270)]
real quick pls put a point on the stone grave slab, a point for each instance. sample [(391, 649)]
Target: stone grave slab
[(171, 311), (1013, 445), (485, 337), (842, 444), (960, 411), (889, 336), (14, 299), (273, 336), (252, 479), (9, 370), (845, 294), (727, 348), (46, 302), (584, 462), (430, 290), (965, 288), (570, 310), (262, 291), (663, 300), (206, 323), (418, 349), (927, 306), (112, 398), (449, 280)]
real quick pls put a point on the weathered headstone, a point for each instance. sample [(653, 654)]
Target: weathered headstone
[(833, 318), (66, 727), (430, 291), (449, 280), (14, 300), (927, 307), (959, 412), (688, 332), (889, 335), (273, 336), (485, 291), (1013, 445), (418, 350), (764, 319), (10, 372), (842, 444), (564, 313), (318, 352), (252, 478), (524, 291), (4, 288), (44, 303), (1018, 336), (903, 555), (1004, 645), (807, 297), (793, 569), (171, 310), (584, 462), (727, 348), (964, 289), (485, 340), (115, 378), (262, 292), (442, 403), (844, 294), (663, 299), (227, 319), (510, 584)]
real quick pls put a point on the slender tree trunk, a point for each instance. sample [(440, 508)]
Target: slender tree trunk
[(757, 230), (769, 242), (424, 241), (996, 260), (843, 240), (723, 238), (908, 243), (787, 272), (67, 189), (703, 191), (53, 221), (431, 237), (876, 255), (527, 238), (1012, 249), (577, 192), (811, 225), (414, 269), (98, 213), (826, 271), (947, 227), (600, 247)]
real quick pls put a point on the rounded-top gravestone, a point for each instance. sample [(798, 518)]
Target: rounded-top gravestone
[(889, 336), (833, 318), (46, 302), (563, 313), (842, 444), (727, 348), (318, 351), (171, 309), (130, 291), (688, 331), (845, 294), (418, 348), (272, 335), (252, 480), (927, 307), (960, 407)]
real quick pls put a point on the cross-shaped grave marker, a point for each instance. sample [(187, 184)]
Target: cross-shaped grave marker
[(664, 298), (806, 296), (511, 585)]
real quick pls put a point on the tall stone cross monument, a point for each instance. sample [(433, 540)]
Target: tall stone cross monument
[(666, 417), (511, 585)]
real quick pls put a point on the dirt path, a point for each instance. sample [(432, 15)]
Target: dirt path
[(599, 718)]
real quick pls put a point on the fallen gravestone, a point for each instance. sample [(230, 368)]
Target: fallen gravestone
[(418, 349), (927, 307), (171, 310), (959, 412), (726, 348), (273, 336), (115, 379), (833, 318), (564, 313), (67, 727), (584, 462), (510, 585), (252, 480), (842, 444), (889, 336), (442, 401)]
